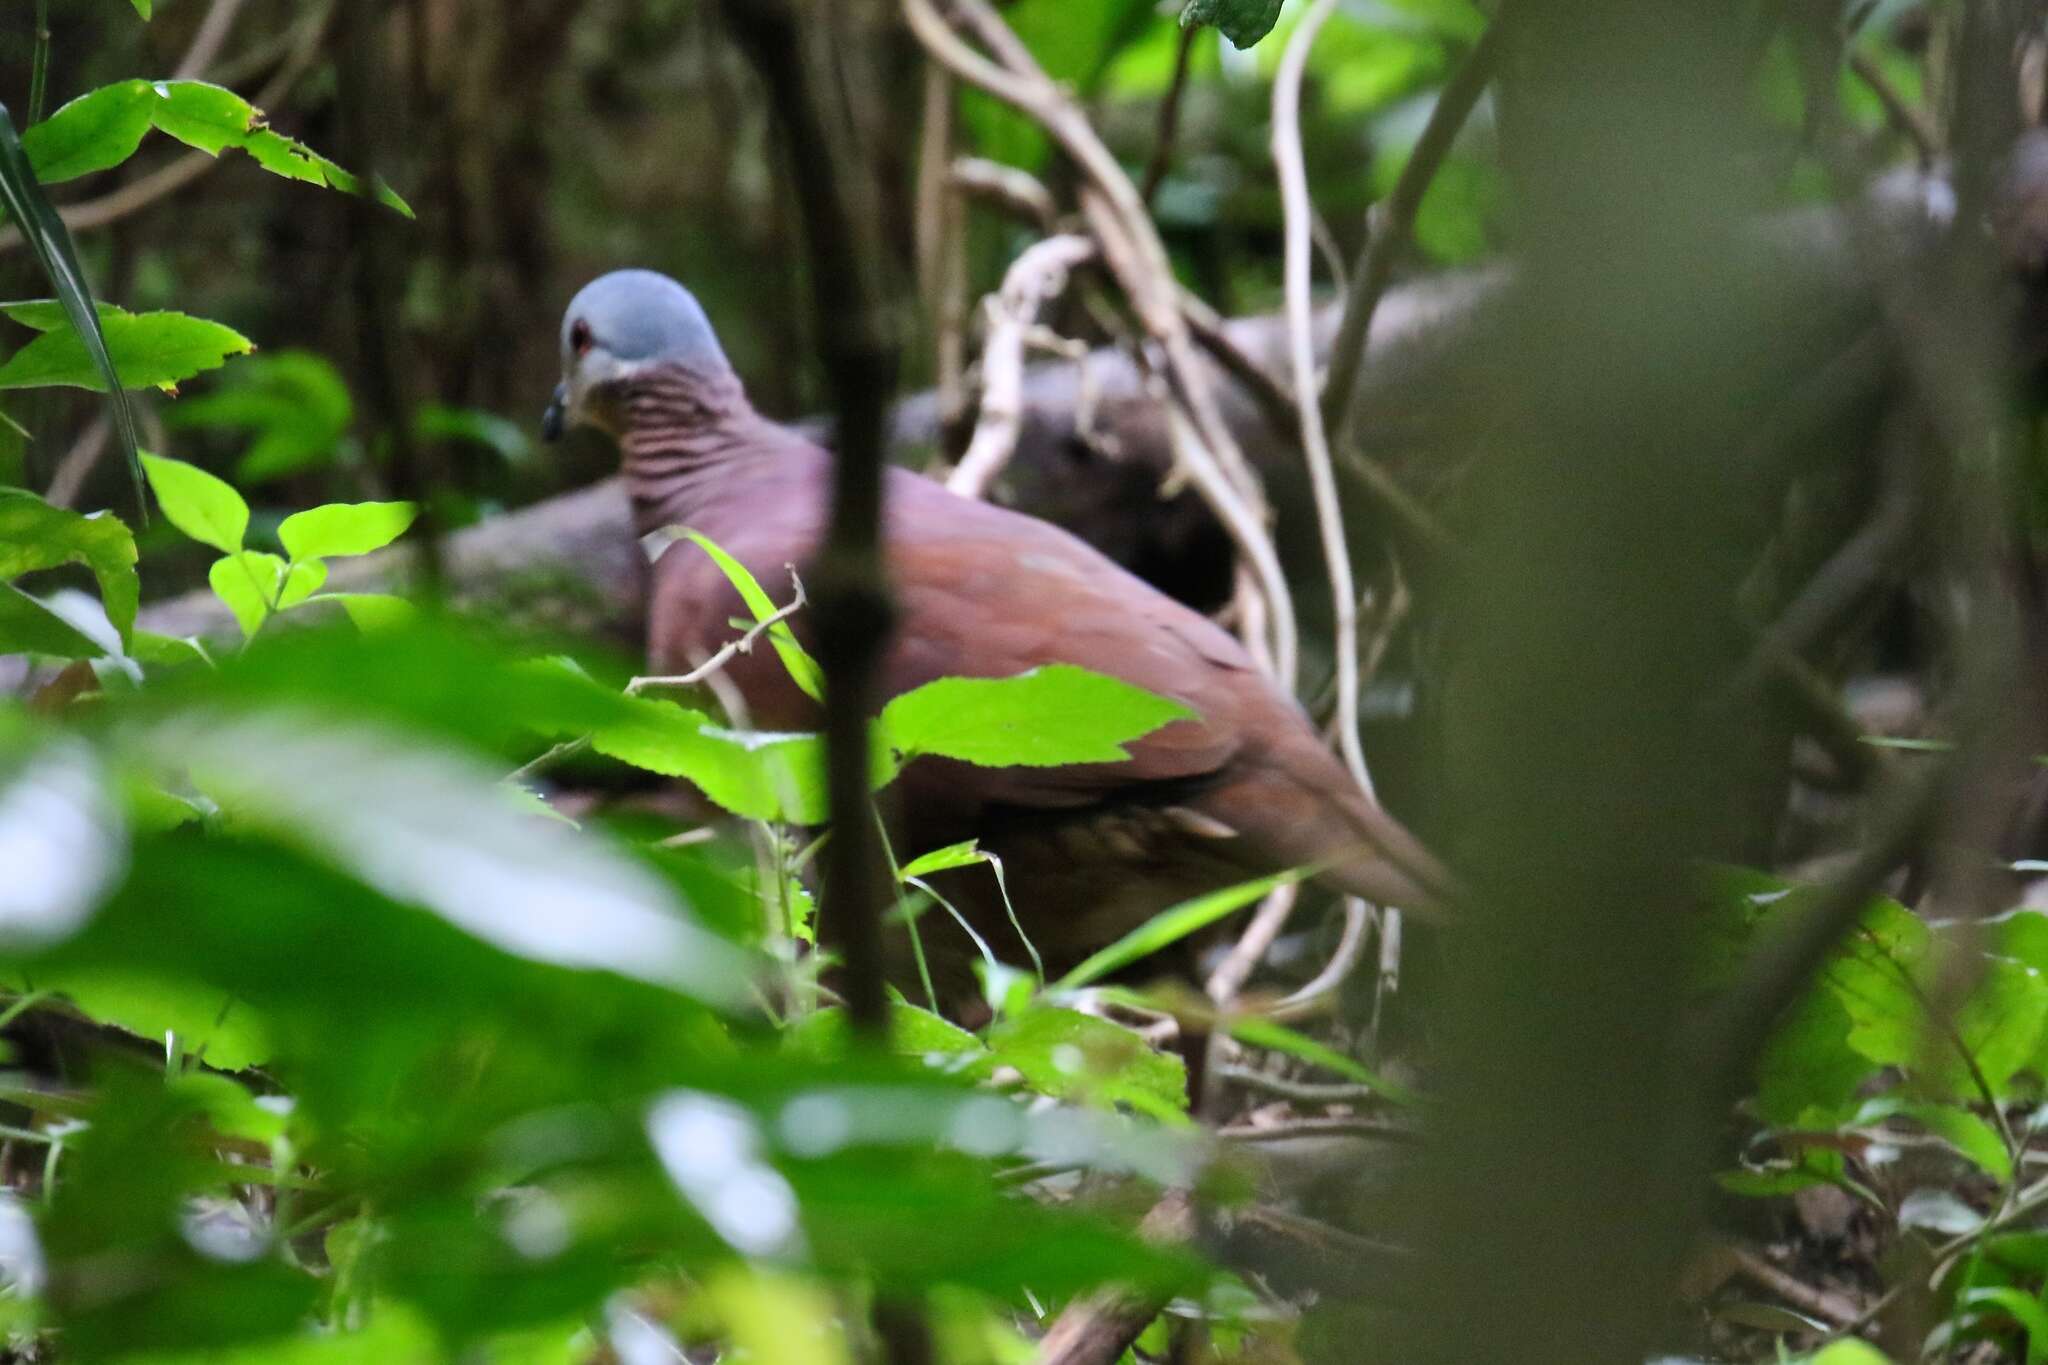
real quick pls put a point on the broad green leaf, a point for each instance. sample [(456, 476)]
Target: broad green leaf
[(760, 776), (29, 627), (1277, 1037), (254, 585), (2025, 1309), (913, 1032), (774, 1317), (429, 826), (104, 127), (35, 535), (942, 860), (803, 669), (1048, 717), (1974, 1137), (1070, 1055), (1170, 926), (50, 240), (148, 647), (204, 507), (208, 1022), (339, 528), (149, 350), (141, 7), (97, 130), (1244, 22)]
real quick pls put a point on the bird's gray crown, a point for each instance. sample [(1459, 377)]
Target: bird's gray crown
[(642, 317)]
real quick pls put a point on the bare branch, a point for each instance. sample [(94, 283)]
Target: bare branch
[(1037, 277)]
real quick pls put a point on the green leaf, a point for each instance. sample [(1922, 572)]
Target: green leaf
[(35, 535), (942, 860), (1258, 1032), (373, 610), (2023, 1308), (760, 776), (141, 7), (293, 403), (149, 350), (22, 195), (1048, 717), (431, 827), (105, 127), (1172, 925), (345, 528), (254, 585), (1244, 22), (208, 1022), (97, 130), (803, 669), (29, 627), (204, 507), (1070, 1055)]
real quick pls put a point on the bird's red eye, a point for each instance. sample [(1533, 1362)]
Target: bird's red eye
[(580, 340)]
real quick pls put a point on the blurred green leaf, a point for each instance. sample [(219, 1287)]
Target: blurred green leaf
[(35, 535), (1070, 1055), (345, 528), (1170, 926), (204, 507), (29, 627), (208, 1023), (942, 860), (1244, 22), (294, 403), (1277, 1037)]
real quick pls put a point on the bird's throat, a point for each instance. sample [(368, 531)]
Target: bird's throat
[(678, 430)]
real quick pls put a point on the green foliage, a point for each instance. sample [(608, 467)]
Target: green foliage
[(294, 404), (22, 195), (1049, 717), (1244, 22), (149, 350), (35, 536), (103, 128), (257, 585)]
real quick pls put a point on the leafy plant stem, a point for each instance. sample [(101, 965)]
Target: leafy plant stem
[(924, 973)]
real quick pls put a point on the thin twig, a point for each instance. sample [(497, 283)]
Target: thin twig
[(1138, 260), (1169, 116), (208, 40), (1271, 917), (1016, 192), (1294, 196), (743, 645), (1311, 998), (1300, 1092), (1394, 219), (1034, 279)]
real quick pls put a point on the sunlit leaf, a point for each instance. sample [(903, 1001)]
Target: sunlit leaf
[(204, 507), (345, 528), (1047, 717)]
